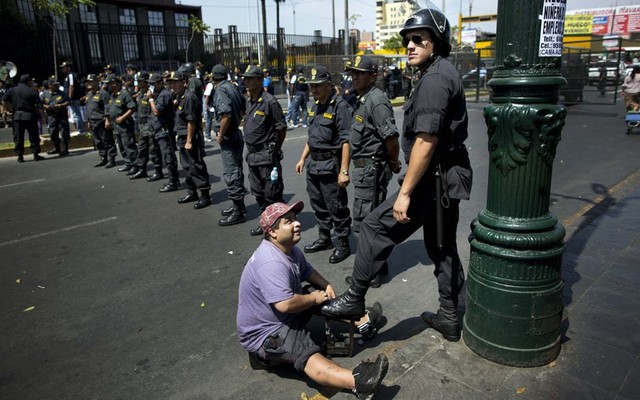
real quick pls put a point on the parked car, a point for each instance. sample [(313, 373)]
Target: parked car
[(470, 79), (615, 71)]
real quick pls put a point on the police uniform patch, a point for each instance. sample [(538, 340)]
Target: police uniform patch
[(357, 61), (311, 113), (314, 72), (359, 118), (260, 113), (96, 97), (328, 115)]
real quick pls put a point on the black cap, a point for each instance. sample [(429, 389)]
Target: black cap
[(155, 78), (319, 74), (178, 76), (131, 66), (91, 78), (219, 72), (253, 71), (112, 78), (143, 76), (362, 63), (66, 64)]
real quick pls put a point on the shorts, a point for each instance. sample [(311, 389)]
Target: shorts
[(289, 345)]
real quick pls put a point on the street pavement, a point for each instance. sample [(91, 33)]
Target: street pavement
[(110, 290)]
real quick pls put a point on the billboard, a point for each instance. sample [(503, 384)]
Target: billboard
[(620, 20)]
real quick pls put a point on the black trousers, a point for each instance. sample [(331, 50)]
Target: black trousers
[(103, 139), (126, 140), (192, 161), (380, 233), (167, 145), (18, 136), (263, 188), (59, 124), (330, 204), (148, 146)]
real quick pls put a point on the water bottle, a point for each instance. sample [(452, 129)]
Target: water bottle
[(274, 174)]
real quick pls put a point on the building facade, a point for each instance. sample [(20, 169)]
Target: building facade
[(391, 16)]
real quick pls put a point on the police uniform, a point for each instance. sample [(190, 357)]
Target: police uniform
[(119, 103), (147, 145), (189, 110), (229, 101), (163, 132), (373, 123), (329, 126), (436, 107), (96, 105), (26, 106), (262, 124), (58, 119)]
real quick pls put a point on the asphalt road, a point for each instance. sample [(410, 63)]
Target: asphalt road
[(135, 296)]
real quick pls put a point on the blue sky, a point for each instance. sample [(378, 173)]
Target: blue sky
[(313, 15)]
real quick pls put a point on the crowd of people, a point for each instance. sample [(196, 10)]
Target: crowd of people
[(352, 138)]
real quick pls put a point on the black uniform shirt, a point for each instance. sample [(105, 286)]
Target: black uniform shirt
[(373, 123), (120, 103), (144, 109), (25, 102), (329, 124), (229, 100), (189, 110), (53, 98), (263, 120), (164, 105), (97, 103), (437, 106), (195, 86)]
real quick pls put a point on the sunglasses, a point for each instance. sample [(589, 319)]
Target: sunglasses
[(415, 38)]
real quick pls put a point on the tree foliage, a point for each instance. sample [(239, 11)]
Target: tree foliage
[(197, 26), (394, 43)]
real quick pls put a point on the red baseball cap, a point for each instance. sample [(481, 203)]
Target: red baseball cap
[(276, 210)]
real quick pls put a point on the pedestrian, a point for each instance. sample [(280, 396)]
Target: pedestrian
[(195, 83), (55, 105), (162, 122), (327, 150), (73, 90), (631, 90), (300, 90), (438, 176), (190, 142), (274, 309), (288, 80), (267, 82), (120, 120), (96, 102), (208, 109), (147, 146), (229, 104), (264, 132), (27, 107), (131, 80)]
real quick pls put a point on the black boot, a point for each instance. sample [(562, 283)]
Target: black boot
[(125, 168), (37, 157), (228, 211), (171, 186), (20, 158), (134, 170), (237, 215), (111, 163), (191, 196), (322, 243), (156, 176), (102, 163), (444, 321), (341, 252), (65, 149), (204, 201), (55, 150), (375, 283), (368, 376), (256, 231), (142, 173), (350, 304)]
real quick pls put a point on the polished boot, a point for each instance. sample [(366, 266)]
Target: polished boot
[(191, 196), (444, 321), (348, 305), (125, 168), (375, 283), (170, 186), (20, 159), (256, 231), (156, 176), (134, 170), (111, 163), (37, 157), (142, 173), (368, 375), (55, 150), (236, 217), (65, 149), (102, 163), (228, 211), (204, 201), (341, 252), (322, 243)]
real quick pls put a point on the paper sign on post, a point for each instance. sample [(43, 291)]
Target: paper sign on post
[(552, 28)]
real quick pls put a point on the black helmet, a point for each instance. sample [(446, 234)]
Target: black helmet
[(437, 24), (188, 67)]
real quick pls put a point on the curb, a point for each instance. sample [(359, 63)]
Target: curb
[(76, 141)]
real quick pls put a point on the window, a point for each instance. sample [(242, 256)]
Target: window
[(182, 23), (156, 24), (88, 15), (63, 41), (26, 10), (127, 19)]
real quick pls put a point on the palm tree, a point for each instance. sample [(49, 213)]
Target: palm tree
[(279, 41), (264, 31)]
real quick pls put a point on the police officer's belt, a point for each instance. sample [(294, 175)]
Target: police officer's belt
[(363, 162), (258, 147), (322, 156)]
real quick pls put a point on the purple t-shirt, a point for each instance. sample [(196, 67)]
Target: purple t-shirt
[(269, 277)]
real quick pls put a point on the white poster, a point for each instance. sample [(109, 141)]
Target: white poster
[(552, 28)]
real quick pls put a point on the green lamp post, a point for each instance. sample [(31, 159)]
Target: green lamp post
[(514, 288)]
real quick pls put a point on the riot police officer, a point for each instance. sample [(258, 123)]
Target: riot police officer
[(264, 132), (196, 86), (120, 119), (190, 141), (55, 105), (96, 102), (146, 145), (434, 129), (162, 121), (229, 106), (327, 150)]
